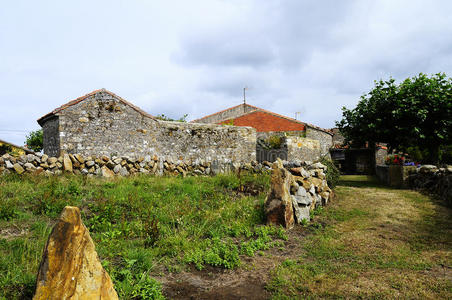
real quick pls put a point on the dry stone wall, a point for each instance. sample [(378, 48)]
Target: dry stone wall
[(434, 180), (297, 188), (106, 166)]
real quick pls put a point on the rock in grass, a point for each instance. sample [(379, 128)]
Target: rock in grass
[(278, 206), (106, 172), (70, 267), (67, 163), (18, 168)]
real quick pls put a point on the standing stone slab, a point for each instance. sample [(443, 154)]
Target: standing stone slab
[(67, 163), (70, 267), (18, 168), (278, 206)]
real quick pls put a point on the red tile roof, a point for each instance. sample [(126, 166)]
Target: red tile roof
[(267, 111), (264, 121), (80, 99)]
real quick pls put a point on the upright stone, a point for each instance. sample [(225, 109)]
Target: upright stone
[(18, 168), (67, 163), (70, 267), (106, 172), (278, 206)]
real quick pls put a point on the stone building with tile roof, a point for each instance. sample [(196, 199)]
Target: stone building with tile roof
[(102, 123), (268, 123)]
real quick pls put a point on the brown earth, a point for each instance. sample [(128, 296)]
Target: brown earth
[(247, 282)]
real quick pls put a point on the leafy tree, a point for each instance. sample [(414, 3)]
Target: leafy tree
[(34, 140), (414, 113)]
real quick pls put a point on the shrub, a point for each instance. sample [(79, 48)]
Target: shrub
[(34, 140), (332, 173), (275, 141)]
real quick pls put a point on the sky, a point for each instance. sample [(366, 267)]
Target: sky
[(195, 57)]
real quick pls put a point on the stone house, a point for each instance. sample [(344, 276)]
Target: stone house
[(304, 141), (102, 123)]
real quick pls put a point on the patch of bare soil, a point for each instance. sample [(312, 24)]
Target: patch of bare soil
[(246, 282)]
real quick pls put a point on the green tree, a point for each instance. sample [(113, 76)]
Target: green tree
[(34, 140), (415, 113)]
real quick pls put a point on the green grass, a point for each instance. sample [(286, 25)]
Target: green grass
[(141, 226), (371, 242)]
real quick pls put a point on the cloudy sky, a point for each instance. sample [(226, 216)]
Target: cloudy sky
[(194, 57)]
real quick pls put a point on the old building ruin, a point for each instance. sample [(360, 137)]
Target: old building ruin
[(102, 123)]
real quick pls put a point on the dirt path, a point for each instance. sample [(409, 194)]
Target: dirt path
[(371, 242)]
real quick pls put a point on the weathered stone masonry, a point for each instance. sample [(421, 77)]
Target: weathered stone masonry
[(102, 123)]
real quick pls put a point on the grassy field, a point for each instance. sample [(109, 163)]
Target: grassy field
[(204, 236), (372, 242), (141, 226)]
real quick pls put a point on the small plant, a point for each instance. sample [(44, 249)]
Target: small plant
[(7, 212), (147, 288), (151, 233), (332, 172), (275, 141), (229, 123)]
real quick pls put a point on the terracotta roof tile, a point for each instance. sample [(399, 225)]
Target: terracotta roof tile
[(267, 111)]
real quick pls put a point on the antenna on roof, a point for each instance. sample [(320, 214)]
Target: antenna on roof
[(244, 95), (297, 113), (244, 98)]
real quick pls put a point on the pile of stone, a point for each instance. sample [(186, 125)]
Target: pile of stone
[(434, 180), (296, 190), (112, 166)]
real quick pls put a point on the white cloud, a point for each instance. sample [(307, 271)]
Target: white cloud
[(194, 57)]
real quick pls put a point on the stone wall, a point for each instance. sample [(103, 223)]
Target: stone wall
[(293, 148), (428, 178), (325, 139), (110, 166), (434, 180), (296, 190), (303, 149), (103, 125)]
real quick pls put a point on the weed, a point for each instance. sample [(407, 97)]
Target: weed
[(151, 232)]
